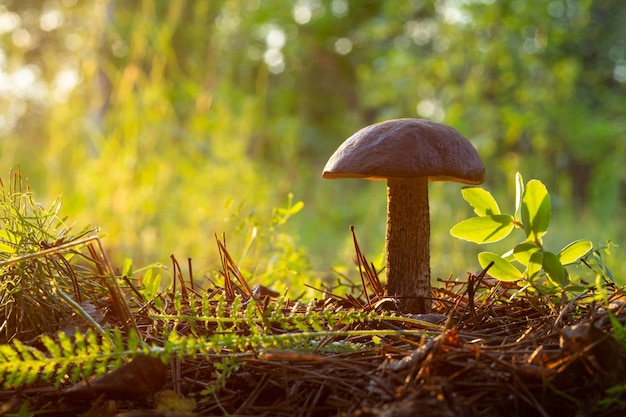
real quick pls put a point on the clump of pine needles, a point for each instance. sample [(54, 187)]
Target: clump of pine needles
[(48, 275)]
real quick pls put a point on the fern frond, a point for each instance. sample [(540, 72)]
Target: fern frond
[(67, 358), (236, 327)]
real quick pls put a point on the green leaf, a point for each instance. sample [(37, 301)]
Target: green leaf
[(484, 229), (554, 269), (297, 207), (481, 200), (536, 210), (619, 332), (535, 264), (501, 269), (519, 192), (127, 269), (66, 344), (524, 251), (574, 251), (4, 240), (6, 248)]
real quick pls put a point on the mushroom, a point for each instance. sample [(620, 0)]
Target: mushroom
[(408, 153)]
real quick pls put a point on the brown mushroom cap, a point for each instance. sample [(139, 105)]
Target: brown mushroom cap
[(407, 148)]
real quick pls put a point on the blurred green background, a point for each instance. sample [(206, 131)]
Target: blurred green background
[(166, 122)]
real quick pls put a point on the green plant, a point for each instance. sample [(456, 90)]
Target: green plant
[(270, 252), (40, 264), (615, 395), (532, 215), (228, 328), (67, 358)]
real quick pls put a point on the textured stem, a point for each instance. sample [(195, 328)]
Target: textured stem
[(408, 243)]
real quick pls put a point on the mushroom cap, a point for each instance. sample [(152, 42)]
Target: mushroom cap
[(407, 148)]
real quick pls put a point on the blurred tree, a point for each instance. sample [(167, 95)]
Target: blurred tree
[(47, 50)]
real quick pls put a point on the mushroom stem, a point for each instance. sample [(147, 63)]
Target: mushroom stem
[(407, 243)]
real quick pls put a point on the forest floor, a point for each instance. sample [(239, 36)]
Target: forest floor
[(487, 349)]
